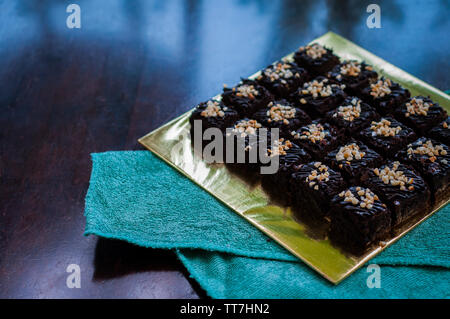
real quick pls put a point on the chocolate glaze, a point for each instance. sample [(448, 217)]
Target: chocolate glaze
[(280, 89), (421, 124), (354, 169), (319, 106), (436, 173), (301, 118), (402, 203), (227, 120), (247, 141), (278, 184), (316, 66), (368, 114), (333, 137), (356, 228), (388, 103), (441, 133), (295, 155), (353, 84), (388, 145), (243, 105), (310, 201), (356, 211)]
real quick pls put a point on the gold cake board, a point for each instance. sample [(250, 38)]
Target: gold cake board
[(171, 142)]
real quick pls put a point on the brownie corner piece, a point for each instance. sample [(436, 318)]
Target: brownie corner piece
[(313, 186), (353, 159), (387, 136), (441, 132), (316, 58), (385, 95), (319, 96), (317, 138), (432, 160), (247, 97), (352, 115), (282, 115), (213, 113), (402, 189), (359, 219), (420, 113), (354, 75), (283, 78)]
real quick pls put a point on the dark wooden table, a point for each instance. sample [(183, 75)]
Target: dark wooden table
[(133, 65)]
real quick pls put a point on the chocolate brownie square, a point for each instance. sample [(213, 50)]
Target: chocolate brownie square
[(359, 219), (208, 115), (240, 139), (387, 136), (354, 75), (289, 156), (283, 78), (352, 160), (441, 132), (317, 138), (385, 95), (247, 97), (318, 96), (213, 114), (313, 186), (421, 114), (315, 58), (283, 115), (402, 189), (352, 115), (432, 160)]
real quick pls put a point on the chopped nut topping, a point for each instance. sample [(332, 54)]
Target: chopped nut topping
[(280, 112), (280, 147), (349, 152), (351, 68), (383, 128), (280, 71), (349, 112), (427, 148), (320, 174), (314, 51), (313, 132), (245, 127), (316, 88), (213, 109), (417, 107), (246, 90), (394, 177), (381, 88), (366, 197)]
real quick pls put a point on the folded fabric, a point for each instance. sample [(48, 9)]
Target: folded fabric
[(228, 276), (134, 196)]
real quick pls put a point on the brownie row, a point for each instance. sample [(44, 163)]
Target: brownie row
[(355, 150)]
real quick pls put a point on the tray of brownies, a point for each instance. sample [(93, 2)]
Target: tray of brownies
[(360, 148)]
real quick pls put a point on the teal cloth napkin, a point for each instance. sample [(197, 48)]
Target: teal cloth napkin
[(136, 197)]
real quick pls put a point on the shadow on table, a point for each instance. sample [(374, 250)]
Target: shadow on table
[(115, 258)]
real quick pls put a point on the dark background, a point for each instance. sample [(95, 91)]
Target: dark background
[(133, 65)]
